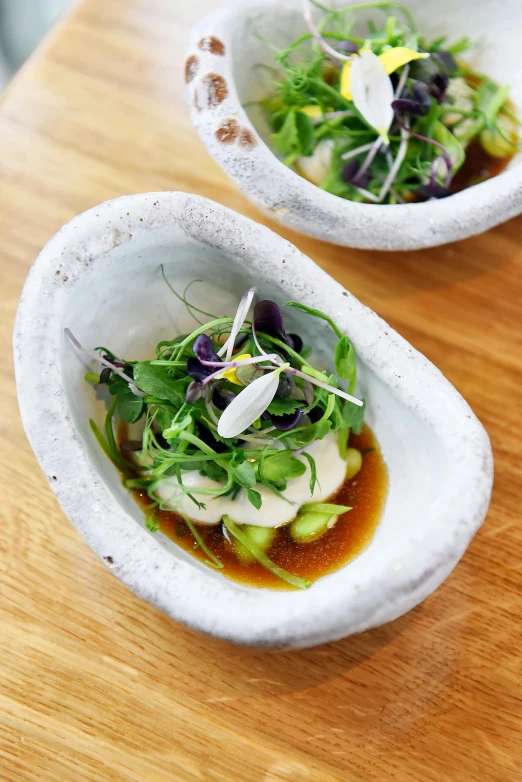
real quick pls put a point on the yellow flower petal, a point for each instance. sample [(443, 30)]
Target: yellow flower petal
[(312, 111), (399, 56), (230, 374), (391, 59), (346, 79)]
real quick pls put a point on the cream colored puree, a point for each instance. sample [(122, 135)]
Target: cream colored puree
[(274, 511)]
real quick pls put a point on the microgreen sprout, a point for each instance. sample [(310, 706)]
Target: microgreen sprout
[(389, 101), (237, 400)]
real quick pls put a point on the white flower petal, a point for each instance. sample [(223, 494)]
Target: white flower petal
[(239, 319), (372, 92), (248, 405)]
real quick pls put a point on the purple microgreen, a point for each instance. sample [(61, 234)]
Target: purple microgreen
[(221, 398), (438, 86), (196, 369), (368, 161), (204, 350), (351, 174), (350, 47), (268, 318), (284, 423), (92, 355), (421, 96), (239, 319), (194, 392), (447, 62), (408, 106), (295, 342), (105, 374), (432, 191)]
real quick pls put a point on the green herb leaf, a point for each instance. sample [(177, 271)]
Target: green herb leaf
[(130, 406), (296, 136), (254, 498), (444, 136), (156, 381), (313, 432), (353, 416), (244, 474), (345, 361), (282, 405), (281, 466), (313, 470)]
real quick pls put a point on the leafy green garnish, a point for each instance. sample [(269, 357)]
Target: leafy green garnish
[(290, 578), (282, 405)]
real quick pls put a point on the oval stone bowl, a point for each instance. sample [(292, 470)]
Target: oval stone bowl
[(226, 74), (100, 277)]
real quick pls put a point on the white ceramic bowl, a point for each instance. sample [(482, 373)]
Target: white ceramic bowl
[(100, 277), (223, 72)]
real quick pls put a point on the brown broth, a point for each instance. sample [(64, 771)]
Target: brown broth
[(365, 494), (477, 167)]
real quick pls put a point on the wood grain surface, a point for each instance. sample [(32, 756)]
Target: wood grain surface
[(96, 685)]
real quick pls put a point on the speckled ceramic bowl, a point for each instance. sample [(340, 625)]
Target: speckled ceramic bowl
[(100, 277), (223, 73)]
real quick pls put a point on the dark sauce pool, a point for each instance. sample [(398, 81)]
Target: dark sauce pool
[(365, 493)]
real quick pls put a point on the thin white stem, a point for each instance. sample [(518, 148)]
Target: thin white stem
[(357, 151), (239, 319), (369, 159), (332, 54), (96, 357), (331, 389), (402, 81), (369, 196), (392, 174), (332, 115), (239, 362)]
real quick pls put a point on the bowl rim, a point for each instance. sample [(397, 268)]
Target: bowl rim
[(286, 196), (218, 606)]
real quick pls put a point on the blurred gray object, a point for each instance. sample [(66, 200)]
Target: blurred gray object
[(22, 25)]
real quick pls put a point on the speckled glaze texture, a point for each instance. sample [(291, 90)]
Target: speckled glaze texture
[(100, 277), (223, 74)]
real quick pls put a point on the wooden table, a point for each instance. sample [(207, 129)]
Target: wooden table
[(96, 685)]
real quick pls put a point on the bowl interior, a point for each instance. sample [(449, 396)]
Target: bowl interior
[(123, 303), (494, 26)]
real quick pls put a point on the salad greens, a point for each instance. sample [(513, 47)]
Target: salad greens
[(379, 114), (237, 400)]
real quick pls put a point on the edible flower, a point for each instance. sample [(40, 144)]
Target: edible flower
[(372, 92), (248, 406), (391, 59), (230, 374)]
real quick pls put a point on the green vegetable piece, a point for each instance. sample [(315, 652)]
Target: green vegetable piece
[(325, 507), (310, 526), (353, 462), (444, 136), (281, 466), (290, 578), (92, 377), (262, 537)]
